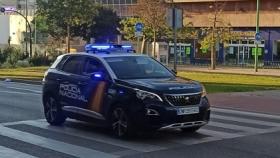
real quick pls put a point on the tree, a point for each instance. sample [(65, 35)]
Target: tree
[(62, 16), (218, 32), (103, 26), (128, 31), (152, 13), (165, 33)]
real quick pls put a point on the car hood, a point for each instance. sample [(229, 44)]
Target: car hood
[(167, 86)]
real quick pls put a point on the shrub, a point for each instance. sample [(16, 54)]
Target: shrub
[(3, 56), (13, 55), (40, 60), (23, 63)]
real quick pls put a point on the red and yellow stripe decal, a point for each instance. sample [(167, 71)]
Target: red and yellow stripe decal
[(96, 98)]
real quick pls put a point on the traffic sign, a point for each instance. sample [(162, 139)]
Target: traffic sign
[(139, 27), (138, 34), (258, 38), (175, 18)]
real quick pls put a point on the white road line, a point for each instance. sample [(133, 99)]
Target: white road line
[(192, 141), (19, 83), (230, 111), (238, 119), (24, 89), (20, 122), (137, 146), (66, 148), (236, 127), (10, 92), (7, 152), (218, 134)]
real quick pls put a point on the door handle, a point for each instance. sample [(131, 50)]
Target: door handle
[(58, 79)]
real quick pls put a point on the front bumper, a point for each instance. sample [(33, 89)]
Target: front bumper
[(159, 116)]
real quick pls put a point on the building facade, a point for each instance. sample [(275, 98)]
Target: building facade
[(123, 8), (12, 28), (240, 15)]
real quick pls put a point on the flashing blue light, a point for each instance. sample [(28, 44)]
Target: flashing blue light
[(100, 47), (97, 75), (127, 46), (109, 48)]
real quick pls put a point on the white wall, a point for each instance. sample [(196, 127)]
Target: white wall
[(17, 27), (13, 26), (4, 29)]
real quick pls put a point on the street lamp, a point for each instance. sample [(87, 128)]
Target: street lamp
[(3, 10), (257, 32)]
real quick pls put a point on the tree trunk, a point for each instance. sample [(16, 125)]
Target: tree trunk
[(143, 44), (213, 57), (68, 38), (154, 45)]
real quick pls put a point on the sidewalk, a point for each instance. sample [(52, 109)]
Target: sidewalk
[(232, 70), (260, 101)]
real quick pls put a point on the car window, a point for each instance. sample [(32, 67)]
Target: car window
[(73, 65), (92, 65), (61, 63), (137, 67)]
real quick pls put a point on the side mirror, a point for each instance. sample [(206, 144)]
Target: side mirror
[(175, 72), (98, 76)]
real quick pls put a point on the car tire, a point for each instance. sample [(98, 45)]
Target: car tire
[(121, 123), (53, 112), (190, 129)]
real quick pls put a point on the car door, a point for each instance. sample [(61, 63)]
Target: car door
[(95, 90), (69, 87)]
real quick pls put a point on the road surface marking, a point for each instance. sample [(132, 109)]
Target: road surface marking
[(219, 134), (7, 152), (237, 127), (70, 149), (19, 83), (22, 93), (238, 119), (231, 111), (142, 147), (24, 89), (165, 140)]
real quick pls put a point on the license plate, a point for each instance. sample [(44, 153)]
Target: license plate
[(187, 111)]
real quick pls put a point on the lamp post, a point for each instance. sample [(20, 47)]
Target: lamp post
[(3, 10), (174, 27), (257, 31), (26, 25)]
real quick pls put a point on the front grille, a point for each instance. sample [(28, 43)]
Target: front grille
[(183, 100)]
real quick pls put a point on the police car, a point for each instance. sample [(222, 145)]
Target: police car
[(125, 91)]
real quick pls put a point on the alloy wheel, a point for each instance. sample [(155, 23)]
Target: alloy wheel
[(119, 122)]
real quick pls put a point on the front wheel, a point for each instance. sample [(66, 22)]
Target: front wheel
[(121, 123), (53, 112)]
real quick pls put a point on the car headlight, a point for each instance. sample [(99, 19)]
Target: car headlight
[(140, 94), (204, 93)]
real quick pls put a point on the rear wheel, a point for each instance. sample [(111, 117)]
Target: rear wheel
[(190, 130), (53, 112), (121, 123)]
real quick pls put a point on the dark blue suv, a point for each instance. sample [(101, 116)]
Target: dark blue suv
[(124, 91)]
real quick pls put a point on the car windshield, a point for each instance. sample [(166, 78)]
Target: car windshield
[(137, 67)]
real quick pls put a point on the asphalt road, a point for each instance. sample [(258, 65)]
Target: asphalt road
[(231, 134)]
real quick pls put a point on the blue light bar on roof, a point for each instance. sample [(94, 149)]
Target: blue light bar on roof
[(126, 46), (100, 47), (107, 47)]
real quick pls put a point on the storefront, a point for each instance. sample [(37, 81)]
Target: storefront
[(242, 49)]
